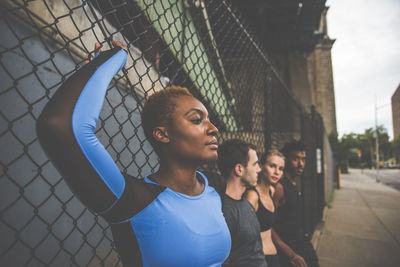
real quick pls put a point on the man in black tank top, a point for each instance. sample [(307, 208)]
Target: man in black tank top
[(294, 246)]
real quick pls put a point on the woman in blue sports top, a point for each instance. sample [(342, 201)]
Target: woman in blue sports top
[(170, 218), (272, 166)]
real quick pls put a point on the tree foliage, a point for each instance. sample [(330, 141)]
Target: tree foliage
[(359, 150)]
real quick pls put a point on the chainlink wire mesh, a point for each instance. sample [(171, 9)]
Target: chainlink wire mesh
[(201, 45)]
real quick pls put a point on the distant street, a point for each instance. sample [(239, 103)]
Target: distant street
[(390, 177)]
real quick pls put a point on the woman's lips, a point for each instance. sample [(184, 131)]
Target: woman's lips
[(273, 178), (213, 144)]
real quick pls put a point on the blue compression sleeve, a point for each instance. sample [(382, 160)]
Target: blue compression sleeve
[(84, 120)]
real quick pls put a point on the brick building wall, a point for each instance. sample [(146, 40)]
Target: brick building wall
[(396, 112), (309, 76), (321, 78), (321, 83)]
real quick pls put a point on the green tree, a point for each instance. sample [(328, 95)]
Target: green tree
[(358, 150), (385, 146)]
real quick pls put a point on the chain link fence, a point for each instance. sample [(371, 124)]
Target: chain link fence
[(201, 45)]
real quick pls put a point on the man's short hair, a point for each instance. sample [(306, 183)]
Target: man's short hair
[(293, 146), (232, 152)]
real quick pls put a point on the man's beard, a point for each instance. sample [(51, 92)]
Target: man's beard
[(299, 171), (294, 171)]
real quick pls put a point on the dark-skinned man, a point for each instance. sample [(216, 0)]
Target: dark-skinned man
[(294, 246)]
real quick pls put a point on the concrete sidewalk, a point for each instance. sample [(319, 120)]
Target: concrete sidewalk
[(363, 226)]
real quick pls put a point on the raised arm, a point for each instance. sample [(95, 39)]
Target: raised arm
[(66, 131)]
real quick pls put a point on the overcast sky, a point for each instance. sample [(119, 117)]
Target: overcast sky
[(366, 61)]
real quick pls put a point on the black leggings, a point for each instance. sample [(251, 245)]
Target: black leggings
[(272, 260), (302, 247)]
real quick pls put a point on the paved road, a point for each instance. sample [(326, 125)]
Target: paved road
[(362, 228), (390, 177)]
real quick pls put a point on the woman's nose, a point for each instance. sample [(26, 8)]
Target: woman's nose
[(212, 129)]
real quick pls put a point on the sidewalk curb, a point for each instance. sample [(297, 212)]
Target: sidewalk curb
[(316, 237)]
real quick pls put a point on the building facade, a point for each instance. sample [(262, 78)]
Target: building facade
[(396, 112)]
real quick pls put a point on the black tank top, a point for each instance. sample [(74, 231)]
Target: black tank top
[(289, 216), (265, 217)]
